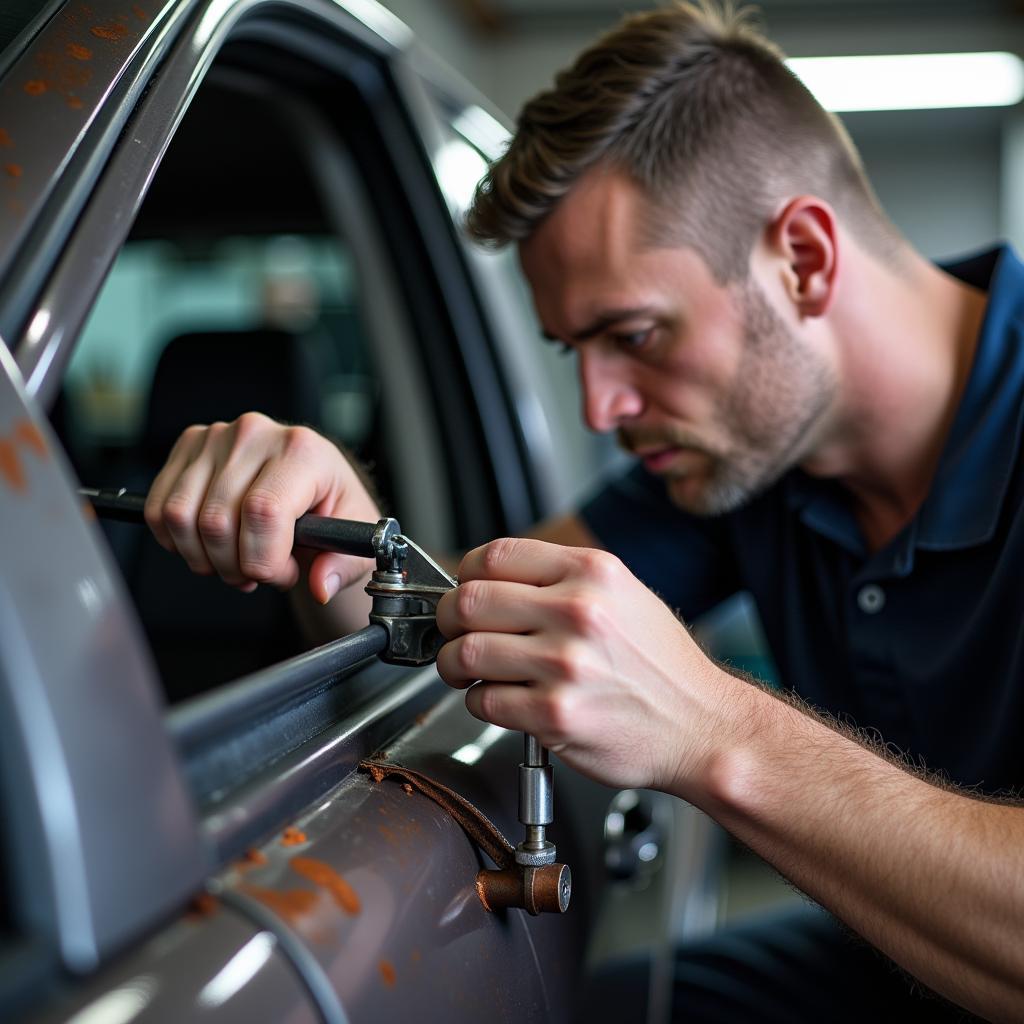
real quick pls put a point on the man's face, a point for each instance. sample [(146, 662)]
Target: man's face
[(707, 384)]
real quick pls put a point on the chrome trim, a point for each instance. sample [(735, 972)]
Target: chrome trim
[(249, 813), (237, 704)]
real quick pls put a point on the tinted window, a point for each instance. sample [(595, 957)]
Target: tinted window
[(232, 293)]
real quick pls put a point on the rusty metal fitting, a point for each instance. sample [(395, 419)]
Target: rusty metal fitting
[(537, 890)]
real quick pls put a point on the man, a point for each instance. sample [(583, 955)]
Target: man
[(823, 418)]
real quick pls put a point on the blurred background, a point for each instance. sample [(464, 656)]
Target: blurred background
[(952, 178)]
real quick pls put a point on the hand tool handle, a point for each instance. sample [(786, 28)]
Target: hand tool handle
[(346, 536)]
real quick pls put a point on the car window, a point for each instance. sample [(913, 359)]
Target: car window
[(160, 290), (235, 291)]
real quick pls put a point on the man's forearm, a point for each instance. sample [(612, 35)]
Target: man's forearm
[(925, 873)]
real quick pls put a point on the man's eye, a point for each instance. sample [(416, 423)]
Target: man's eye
[(563, 349), (634, 339)]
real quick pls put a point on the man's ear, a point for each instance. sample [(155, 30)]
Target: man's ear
[(804, 237)]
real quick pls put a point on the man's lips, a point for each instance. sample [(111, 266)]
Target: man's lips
[(655, 459)]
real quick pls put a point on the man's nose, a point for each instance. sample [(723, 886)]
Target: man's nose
[(609, 395)]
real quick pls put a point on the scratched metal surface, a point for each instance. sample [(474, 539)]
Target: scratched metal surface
[(107, 838), (378, 882), (210, 965)]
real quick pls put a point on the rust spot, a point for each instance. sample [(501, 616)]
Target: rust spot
[(481, 891), (326, 877), (74, 103), (14, 170), (112, 31), (293, 837), (5, 138), (251, 859), (408, 788), (422, 717), (388, 834), (11, 469), (139, 13), (79, 52), (29, 435), (202, 905), (289, 905), (387, 972), (35, 87), (377, 773)]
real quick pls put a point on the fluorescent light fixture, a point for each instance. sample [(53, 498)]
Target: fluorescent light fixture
[(913, 81)]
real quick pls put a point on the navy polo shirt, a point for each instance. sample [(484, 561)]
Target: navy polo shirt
[(922, 640)]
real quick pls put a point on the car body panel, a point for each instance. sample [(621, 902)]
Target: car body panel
[(123, 814), (86, 754), (211, 965)]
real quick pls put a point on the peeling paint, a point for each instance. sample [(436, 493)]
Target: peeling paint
[(11, 469), (203, 905), (251, 859), (289, 905), (35, 87), (387, 972), (29, 435), (79, 52), (293, 837), (24, 434), (407, 787), (326, 877), (114, 31)]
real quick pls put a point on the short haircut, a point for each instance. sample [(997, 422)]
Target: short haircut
[(700, 110)]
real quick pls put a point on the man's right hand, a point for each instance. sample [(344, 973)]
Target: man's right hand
[(229, 494)]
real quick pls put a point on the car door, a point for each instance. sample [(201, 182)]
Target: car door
[(210, 207)]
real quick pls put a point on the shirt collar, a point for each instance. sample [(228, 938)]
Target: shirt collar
[(966, 496), (967, 493)]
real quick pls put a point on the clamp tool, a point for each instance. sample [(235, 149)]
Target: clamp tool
[(405, 587)]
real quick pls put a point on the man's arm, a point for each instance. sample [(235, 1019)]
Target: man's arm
[(926, 873), (617, 687)]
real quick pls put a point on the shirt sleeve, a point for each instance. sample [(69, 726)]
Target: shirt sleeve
[(687, 560)]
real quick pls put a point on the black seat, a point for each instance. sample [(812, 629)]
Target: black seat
[(202, 631)]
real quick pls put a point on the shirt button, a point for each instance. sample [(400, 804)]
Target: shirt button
[(871, 598)]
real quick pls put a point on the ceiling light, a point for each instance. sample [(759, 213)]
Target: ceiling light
[(916, 81)]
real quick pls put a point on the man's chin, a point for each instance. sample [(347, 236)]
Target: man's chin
[(700, 495)]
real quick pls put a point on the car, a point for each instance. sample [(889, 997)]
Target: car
[(218, 207)]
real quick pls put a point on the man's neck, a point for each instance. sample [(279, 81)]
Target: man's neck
[(906, 342)]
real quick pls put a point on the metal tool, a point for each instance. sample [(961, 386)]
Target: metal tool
[(405, 587)]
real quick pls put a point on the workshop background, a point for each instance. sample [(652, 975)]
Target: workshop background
[(952, 178)]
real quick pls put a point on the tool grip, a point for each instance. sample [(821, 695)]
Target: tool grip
[(346, 536)]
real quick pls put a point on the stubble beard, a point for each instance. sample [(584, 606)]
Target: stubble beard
[(782, 391)]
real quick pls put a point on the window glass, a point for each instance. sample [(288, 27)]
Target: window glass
[(233, 293), (158, 291)]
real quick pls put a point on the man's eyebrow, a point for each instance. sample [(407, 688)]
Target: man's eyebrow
[(602, 322)]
